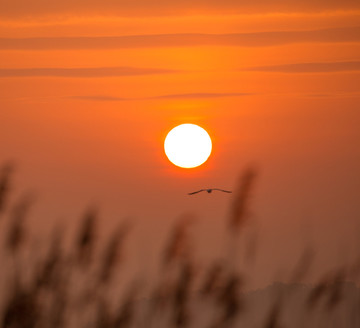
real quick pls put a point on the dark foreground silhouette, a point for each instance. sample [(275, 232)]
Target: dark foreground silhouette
[(77, 286)]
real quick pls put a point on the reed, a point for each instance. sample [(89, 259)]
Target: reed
[(53, 297)]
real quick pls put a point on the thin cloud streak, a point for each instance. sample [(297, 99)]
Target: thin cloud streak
[(257, 39), (200, 95), (329, 67), (99, 98), (87, 72), (126, 8)]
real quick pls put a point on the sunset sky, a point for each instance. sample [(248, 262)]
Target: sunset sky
[(89, 90)]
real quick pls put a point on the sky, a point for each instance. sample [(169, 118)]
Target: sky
[(89, 90)]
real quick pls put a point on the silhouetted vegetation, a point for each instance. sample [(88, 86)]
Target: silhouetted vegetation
[(75, 288)]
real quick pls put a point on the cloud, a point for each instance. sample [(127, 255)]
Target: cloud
[(257, 39), (199, 95), (79, 8), (99, 98), (88, 72), (333, 95), (328, 67)]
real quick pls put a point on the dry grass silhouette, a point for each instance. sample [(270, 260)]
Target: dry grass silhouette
[(75, 288)]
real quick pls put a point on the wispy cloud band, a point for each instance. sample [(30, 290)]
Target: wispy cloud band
[(36, 8), (179, 96), (87, 72), (258, 39), (315, 67)]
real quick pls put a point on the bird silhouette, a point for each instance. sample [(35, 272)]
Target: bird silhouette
[(209, 191)]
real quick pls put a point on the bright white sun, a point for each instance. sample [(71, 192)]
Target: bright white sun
[(188, 145)]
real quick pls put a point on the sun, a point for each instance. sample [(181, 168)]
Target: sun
[(187, 145)]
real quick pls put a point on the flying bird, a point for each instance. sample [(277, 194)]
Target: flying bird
[(209, 191)]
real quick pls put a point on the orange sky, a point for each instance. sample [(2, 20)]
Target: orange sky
[(88, 91)]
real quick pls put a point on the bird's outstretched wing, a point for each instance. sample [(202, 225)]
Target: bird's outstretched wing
[(223, 190), (195, 192)]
